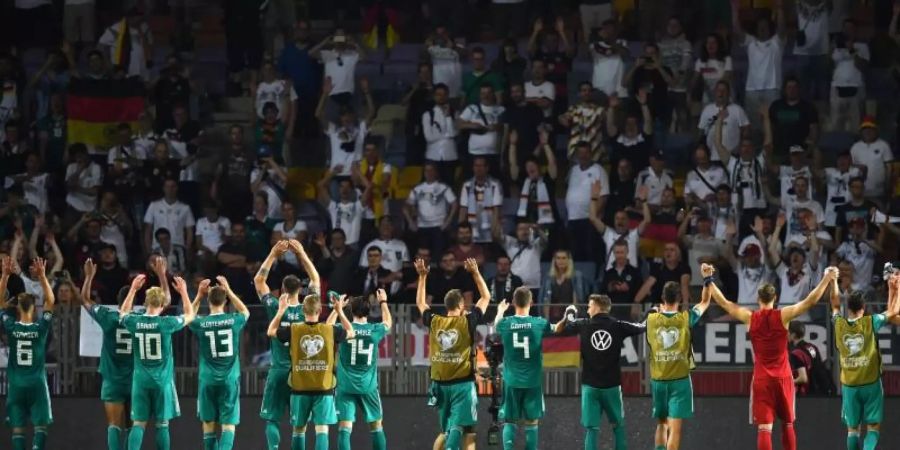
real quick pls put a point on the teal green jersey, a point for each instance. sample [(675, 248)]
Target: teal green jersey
[(27, 349), (116, 360), (523, 356), (219, 336), (152, 341), (357, 371), (281, 356)]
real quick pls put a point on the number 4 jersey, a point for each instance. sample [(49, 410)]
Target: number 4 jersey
[(116, 360), (357, 371), (523, 356), (152, 340), (27, 349), (219, 336)]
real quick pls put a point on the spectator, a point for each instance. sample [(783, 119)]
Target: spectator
[(272, 89), (746, 174), (765, 51), (751, 270), (621, 280), (809, 231), (860, 251), (635, 142), (417, 102), (84, 238), (158, 168), (564, 284), (429, 211), (723, 211), (794, 121), (346, 213), (480, 76), (539, 91), (584, 121), (340, 262), (79, 18), (235, 258), (83, 180), (504, 282), (509, 65), (523, 118), (290, 228), (173, 88), (258, 227), (175, 254), (480, 201), (655, 179), (465, 247), (171, 214), (450, 276), (123, 161), (440, 134), (702, 245), (111, 276), (13, 87), (524, 251), (648, 74), (876, 155), (212, 230), (271, 135), (811, 45), (51, 134), (796, 273), (374, 276), (298, 63), (734, 122), (482, 120), (672, 268), (373, 174), (13, 148), (410, 280), (619, 230), (609, 54), (858, 207), (347, 136), (232, 185), (33, 183), (444, 55), (584, 175), (713, 66), (850, 58), (664, 218), (837, 181), (676, 55), (593, 15), (340, 57), (621, 190), (394, 251), (51, 79), (270, 179), (117, 226), (184, 142), (509, 18), (703, 181), (140, 45), (554, 48), (788, 174), (537, 201)]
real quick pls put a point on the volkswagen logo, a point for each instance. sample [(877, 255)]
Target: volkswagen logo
[(601, 340)]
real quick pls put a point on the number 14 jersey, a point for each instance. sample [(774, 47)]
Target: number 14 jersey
[(219, 336), (523, 356), (357, 371)]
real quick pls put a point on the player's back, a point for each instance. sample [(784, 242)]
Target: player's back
[(769, 338), (357, 371), (27, 349), (523, 356), (152, 341), (219, 336), (281, 355), (116, 359)]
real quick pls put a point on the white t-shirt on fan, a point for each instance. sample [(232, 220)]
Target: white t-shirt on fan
[(340, 66), (344, 139), (484, 143)]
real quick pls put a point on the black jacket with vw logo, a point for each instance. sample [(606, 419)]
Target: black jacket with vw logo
[(601, 347)]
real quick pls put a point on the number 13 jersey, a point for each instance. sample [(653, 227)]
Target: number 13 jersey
[(219, 336)]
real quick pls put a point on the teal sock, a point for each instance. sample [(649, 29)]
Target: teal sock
[(162, 436), (531, 437), (590, 438), (226, 441), (871, 440), (853, 440), (40, 439), (298, 441), (18, 442), (113, 438), (454, 439), (619, 433), (509, 436), (379, 440), (273, 435), (135, 438), (660, 447), (322, 441), (343, 438), (209, 441)]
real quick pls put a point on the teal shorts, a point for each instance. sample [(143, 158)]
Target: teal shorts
[(276, 395), (672, 399), (220, 403), (598, 401), (150, 401), (317, 409), (457, 404), (862, 404), (28, 404), (113, 392), (522, 404), (369, 403)]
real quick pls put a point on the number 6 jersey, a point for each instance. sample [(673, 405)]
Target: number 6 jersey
[(152, 340), (357, 371), (27, 349), (219, 336)]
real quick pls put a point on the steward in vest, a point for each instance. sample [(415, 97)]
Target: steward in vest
[(671, 362), (856, 339), (452, 355), (312, 380)]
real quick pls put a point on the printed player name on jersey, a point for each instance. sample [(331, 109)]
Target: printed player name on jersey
[(311, 366), (855, 362), (25, 334), (217, 323), (666, 356), (146, 326), (451, 358), (520, 326), (363, 333)]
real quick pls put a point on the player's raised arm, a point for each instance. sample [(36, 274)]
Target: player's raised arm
[(308, 266), (703, 304), (259, 281), (6, 269), (501, 310), (472, 267), (181, 287), (568, 317), (272, 331), (136, 284), (39, 266), (236, 301), (893, 308), (738, 312), (386, 319), (90, 270), (202, 290), (790, 313), (835, 297), (339, 305), (333, 315), (421, 296), (161, 268)]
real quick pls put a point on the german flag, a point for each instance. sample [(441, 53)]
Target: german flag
[(561, 351), (380, 22), (95, 107)]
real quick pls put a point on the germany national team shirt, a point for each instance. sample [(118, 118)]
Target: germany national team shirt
[(27, 349), (116, 359), (357, 370), (219, 336), (523, 356), (281, 356)]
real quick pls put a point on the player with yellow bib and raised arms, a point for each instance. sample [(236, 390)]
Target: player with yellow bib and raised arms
[(452, 358), (856, 339), (311, 379), (671, 361)]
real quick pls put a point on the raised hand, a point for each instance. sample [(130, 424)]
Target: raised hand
[(203, 287), (295, 245), (502, 307), (571, 313), (643, 192), (180, 286), (471, 266), (757, 225), (642, 96), (319, 239), (159, 265), (138, 282), (340, 303), (513, 137), (538, 25), (283, 302), (90, 269), (6, 265), (614, 101), (381, 295), (707, 270), (421, 268), (781, 219), (364, 85), (39, 266), (280, 248), (730, 228), (560, 25)]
